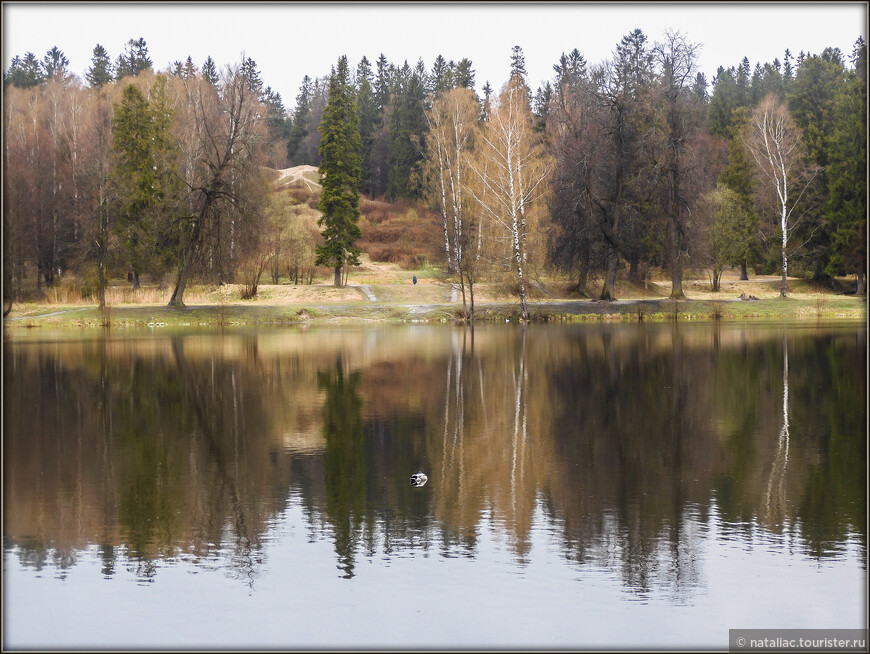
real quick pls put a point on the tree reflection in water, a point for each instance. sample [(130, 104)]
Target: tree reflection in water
[(626, 442)]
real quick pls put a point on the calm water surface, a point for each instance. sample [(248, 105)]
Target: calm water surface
[(595, 486)]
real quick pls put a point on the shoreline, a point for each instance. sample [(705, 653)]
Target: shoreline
[(834, 307)]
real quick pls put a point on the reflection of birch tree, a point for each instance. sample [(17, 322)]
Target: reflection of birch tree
[(776, 483)]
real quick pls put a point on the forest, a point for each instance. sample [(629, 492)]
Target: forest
[(634, 165)]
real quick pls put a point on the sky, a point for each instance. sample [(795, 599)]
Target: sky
[(289, 40)]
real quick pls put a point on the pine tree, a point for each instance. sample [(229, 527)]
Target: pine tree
[(100, 72), (339, 173)]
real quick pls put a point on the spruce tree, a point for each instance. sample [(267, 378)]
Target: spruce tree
[(408, 124), (367, 113), (55, 63), (142, 177), (299, 125), (463, 74), (133, 60), (340, 174), (100, 72), (26, 72), (846, 209), (209, 71)]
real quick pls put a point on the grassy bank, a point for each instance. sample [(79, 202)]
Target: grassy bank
[(159, 316), (386, 293)]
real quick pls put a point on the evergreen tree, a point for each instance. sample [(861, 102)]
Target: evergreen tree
[(570, 69), (384, 80), (407, 127), (55, 63), (518, 63), (787, 69), (811, 102), (252, 76), (100, 72), (463, 75), (541, 106), (276, 115), (209, 71), (846, 208), (741, 78), (441, 79), (738, 177), (299, 126), (700, 88), (486, 105), (142, 176), (367, 113), (189, 71), (339, 173), (133, 60), (26, 72)]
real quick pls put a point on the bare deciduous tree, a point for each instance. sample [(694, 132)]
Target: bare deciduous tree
[(230, 129)]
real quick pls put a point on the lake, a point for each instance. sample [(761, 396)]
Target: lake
[(638, 486)]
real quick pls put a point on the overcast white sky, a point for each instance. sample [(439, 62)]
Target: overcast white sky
[(288, 40)]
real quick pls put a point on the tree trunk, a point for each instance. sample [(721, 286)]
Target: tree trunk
[(583, 277), (860, 283), (676, 271), (135, 280), (633, 261), (783, 286), (716, 279), (471, 295), (743, 274), (607, 292), (187, 260), (338, 276)]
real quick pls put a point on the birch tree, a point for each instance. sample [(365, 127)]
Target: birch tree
[(774, 141), (453, 130), (512, 171)]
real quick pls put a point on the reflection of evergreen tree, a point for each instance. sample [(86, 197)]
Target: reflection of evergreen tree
[(344, 460)]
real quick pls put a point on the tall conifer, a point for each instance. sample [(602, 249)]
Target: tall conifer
[(340, 174)]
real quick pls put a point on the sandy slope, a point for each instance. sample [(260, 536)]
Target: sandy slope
[(298, 173)]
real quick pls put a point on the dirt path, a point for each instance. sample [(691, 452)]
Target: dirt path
[(369, 292), (46, 315)]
